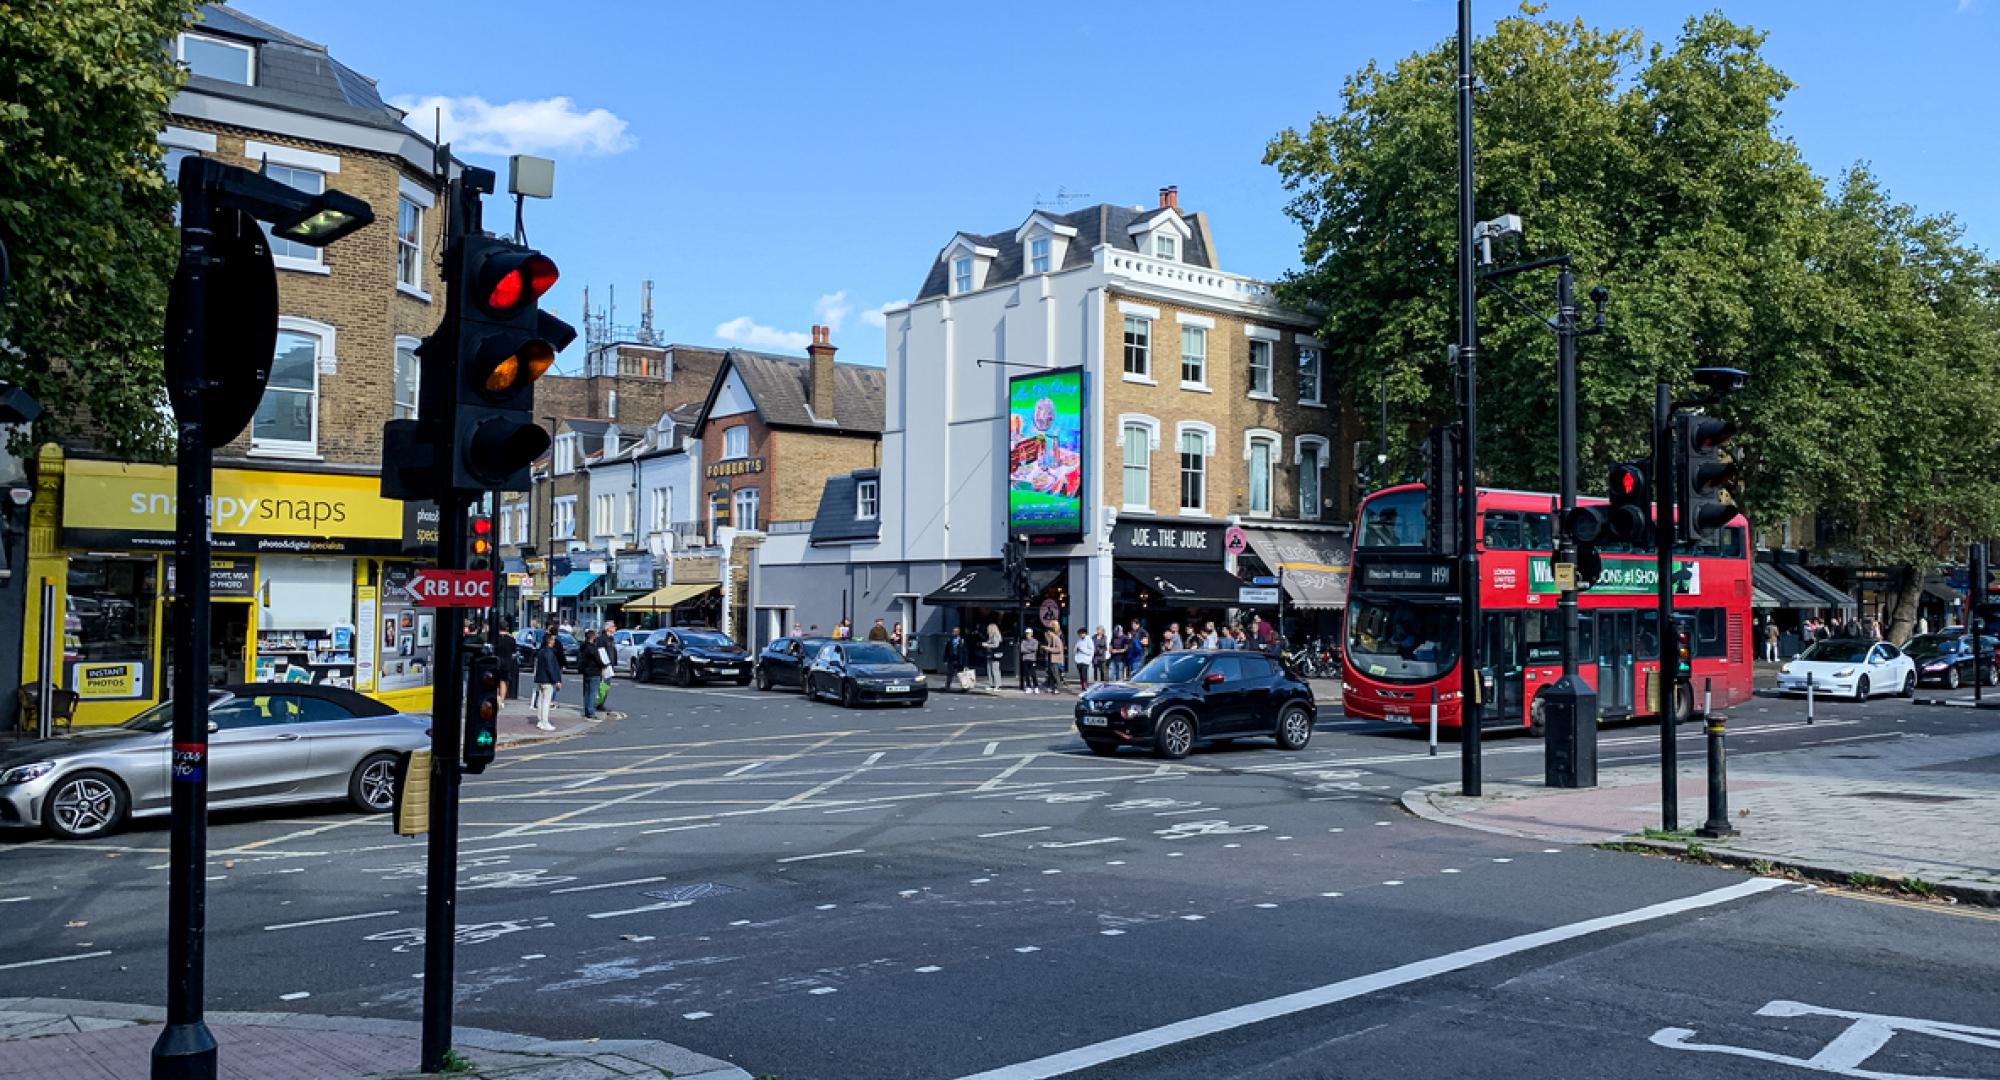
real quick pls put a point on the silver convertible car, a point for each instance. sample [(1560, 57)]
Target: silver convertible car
[(269, 743)]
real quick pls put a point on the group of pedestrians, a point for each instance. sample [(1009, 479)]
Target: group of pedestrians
[(596, 663), (1047, 663)]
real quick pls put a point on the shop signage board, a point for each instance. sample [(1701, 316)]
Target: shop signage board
[(737, 467), (635, 572), (108, 681), (1247, 595), (228, 579), (1045, 453), (452, 588), (125, 506), (1166, 541), (1235, 541)]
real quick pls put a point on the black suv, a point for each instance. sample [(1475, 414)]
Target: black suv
[(691, 656), (1183, 698)]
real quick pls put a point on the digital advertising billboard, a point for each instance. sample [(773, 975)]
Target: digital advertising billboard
[(1045, 453)]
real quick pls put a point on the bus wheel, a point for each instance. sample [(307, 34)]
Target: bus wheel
[(1538, 717), (1683, 704)]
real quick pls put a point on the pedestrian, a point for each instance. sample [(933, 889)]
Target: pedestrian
[(508, 652), (1138, 644), (1923, 625), (1052, 660), (843, 630), (590, 665), (548, 677), (954, 658), (1771, 640), (1029, 652), (1209, 638), (994, 645), (1119, 645), (878, 632), (607, 654), (1100, 651), (1171, 642), (1084, 655), (814, 632), (896, 641)]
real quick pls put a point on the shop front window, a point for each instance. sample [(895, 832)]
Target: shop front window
[(108, 628)]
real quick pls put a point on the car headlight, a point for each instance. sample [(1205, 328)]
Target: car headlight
[(699, 660), (1940, 666), (21, 774), (1150, 692), (1135, 710), (1843, 673)]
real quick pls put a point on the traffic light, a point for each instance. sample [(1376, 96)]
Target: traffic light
[(1014, 563), (1699, 508), (1684, 643), (1629, 518), (479, 549), (501, 343), (1441, 485), (482, 712)]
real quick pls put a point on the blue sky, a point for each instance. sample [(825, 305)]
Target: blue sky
[(773, 165)]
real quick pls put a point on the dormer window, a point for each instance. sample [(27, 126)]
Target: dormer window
[(1161, 233), (1166, 246), (1038, 255), (218, 58), (961, 274), (1044, 241), (968, 261)]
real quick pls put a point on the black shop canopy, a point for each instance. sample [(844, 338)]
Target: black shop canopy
[(986, 586), (1186, 584), (1771, 586)]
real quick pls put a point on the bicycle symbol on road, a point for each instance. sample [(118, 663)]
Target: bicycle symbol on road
[(1152, 804), (1844, 1054), (1181, 830), (467, 934), (513, 879)]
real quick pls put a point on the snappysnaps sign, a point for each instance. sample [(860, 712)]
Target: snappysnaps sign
[(120, 505)]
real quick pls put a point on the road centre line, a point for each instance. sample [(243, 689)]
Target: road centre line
[(822, 855), (1126, 1046), (54, 960), (331, 919), (607, 885)]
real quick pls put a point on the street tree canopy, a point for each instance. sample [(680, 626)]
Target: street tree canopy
[(86, 212), (1868, 330)]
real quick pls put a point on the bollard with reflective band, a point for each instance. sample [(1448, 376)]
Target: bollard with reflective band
[(1434, 721), (1717, 824), (1809, 697)]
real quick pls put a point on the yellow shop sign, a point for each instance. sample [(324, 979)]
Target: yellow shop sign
[(121, 505)]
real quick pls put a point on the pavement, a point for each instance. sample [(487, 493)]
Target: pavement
[(1881, 805), (50, 1038)]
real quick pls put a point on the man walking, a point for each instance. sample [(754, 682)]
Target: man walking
[(878, 632), (1118, 646), (508, 652), (1771, 640), (1137, 645), (994, 643), (1030, 651), (1083, 655), (590, 665), (954, 658)]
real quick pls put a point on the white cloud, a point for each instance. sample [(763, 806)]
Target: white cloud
[(877, 317), (744, 330), (832, 309), (547, 126)]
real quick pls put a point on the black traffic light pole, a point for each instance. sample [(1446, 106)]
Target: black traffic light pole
[(1667, 682), (1975, 593), (1468, 359)]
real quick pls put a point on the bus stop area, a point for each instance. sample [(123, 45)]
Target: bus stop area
[(1889, 807)]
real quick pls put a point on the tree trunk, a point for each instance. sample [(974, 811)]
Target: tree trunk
[(1903, 613)]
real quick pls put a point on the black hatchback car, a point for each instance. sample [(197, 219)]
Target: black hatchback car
[(1184, 698), (688, 656), (854, 672), (783, 662)]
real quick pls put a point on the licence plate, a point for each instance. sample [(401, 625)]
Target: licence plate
[(1094, 721), (725, 671), (897, 689)]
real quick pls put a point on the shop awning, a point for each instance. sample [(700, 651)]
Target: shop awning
[(1761, 600), (985, 586), (1771, 583), (1942, 591), (1185, 584), (574, 583), (1824, 595), (667, 597), (1312, 566)]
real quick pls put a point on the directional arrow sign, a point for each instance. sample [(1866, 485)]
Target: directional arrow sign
[(452, 588)]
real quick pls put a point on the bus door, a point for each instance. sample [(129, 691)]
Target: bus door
[(1615, 632), (1504, 678)]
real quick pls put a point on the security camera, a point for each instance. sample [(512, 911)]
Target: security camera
[(1721, 380)]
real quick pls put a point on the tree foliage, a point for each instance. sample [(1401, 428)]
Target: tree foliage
[(85, 211), (1868, 330)]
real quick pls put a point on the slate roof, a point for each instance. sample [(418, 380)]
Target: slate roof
[(294, 74), (835, 522), (1094, 225), (778, 385)]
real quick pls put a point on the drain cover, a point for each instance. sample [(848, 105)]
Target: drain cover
[(701, 890), (1904, 796)]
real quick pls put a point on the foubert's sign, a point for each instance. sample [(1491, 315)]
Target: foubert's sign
[(738, 467)]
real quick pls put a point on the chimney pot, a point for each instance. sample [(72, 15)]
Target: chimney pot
[(1170, 197)]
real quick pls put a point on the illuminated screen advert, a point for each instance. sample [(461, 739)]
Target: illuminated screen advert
[(1045, 454)]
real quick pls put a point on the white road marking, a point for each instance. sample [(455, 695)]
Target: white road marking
[(1552, 851), (1449, 870), (491, 850), (1085, 1057), (536, 956), (681, 828), (825, 907), (1028, 949), (333, 919), (1080, 843), (14, 899), (696, 1015), (1193, 918), (1007, 773), (1392, 882), (294, 995), (741, 769), (823, 855), (822, 990), (1331, 895), (1194, 810), (606, 885), (1111, 933), (662, 906), (1051, 871), (1503, 860), (54, 960), (1015, 832), (1846, 1052), (585, 782), (859, 809), (991, 749), (874, 757), (928, 969), (1267, 906)]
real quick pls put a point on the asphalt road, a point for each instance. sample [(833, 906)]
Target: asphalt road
[(963, 891)]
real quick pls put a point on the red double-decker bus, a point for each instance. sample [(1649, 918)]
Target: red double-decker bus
[(1402, 643)]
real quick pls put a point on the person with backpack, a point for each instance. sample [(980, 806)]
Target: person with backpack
[(548, 677), (590, 665)]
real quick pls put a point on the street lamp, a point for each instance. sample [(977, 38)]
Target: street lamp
[(224, 299)]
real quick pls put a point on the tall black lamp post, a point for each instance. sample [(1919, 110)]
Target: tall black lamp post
[(222, 326)]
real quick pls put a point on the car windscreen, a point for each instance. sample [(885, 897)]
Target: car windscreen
[(1838, 652), (158, 718), (1174, 668), (699, 639), (872, 654), (1933, 645)]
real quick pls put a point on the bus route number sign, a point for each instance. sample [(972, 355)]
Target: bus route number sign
[(1410, 575)]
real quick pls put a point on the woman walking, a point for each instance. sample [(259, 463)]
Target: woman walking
[(994, 643), (1085, 657), (1030, 650), (548, 677), (1052, 661)]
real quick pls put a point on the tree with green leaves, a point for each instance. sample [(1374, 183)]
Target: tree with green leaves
[(86, 213), (1659, 170)]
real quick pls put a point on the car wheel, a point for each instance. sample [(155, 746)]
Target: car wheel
[(683, 677), (1100, 747), (1173, 737), (83, 805), (1910, 685), (1295, 728), (1538, 717), (1993, 674), (847, 697), (1861, 688), (642, 669), (1952, 678), (763, 679), (372, 788)]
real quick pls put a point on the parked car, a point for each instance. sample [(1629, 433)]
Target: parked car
[(689, 656), (269, 744), (855, 672), (1945, 659), (1855, 667), (529, 641), (783, 662), (627, 644), (1181, 699)]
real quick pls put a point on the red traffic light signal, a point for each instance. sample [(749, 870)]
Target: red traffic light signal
[(516, 278), (1630, 516), (503, 344)]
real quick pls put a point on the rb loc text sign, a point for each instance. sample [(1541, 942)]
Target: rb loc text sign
[(452, 588)]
